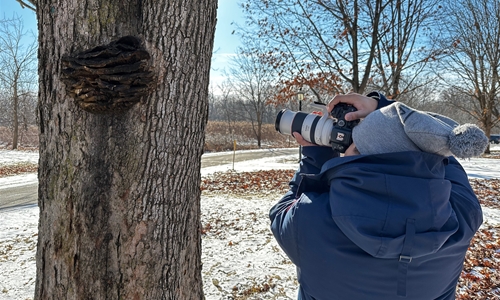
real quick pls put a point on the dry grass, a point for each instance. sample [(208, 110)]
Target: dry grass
[(28, 138), (220, 137)]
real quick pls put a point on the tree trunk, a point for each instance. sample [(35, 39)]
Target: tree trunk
[(15, 124), (119, 193)]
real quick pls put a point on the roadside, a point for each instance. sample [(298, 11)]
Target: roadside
[(19, 182)]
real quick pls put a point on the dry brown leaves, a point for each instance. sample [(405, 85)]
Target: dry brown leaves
[(17, 169), (480, 276), (245, 183), (487, 191)]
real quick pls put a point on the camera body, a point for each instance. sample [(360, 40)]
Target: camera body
[(330, 129)]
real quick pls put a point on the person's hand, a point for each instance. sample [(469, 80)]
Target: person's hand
[(351, 150), (363, 104), (298, 137)]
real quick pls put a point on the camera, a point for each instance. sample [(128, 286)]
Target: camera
[(330, 129)]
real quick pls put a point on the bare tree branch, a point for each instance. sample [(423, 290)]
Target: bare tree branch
[(366, 44), (31, 5)]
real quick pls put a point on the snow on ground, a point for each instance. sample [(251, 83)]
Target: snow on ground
[(491, 216), (18, 180), (239, 253), (240, 256), (18, 239), (13, 157)]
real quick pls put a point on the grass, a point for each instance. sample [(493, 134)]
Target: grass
[(219, 137)]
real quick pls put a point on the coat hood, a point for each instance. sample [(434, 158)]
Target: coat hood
[(391, 211)]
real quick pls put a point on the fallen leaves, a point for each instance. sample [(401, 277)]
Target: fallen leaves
[(487, 191), (480, 276), (16, 169), (246, 183)]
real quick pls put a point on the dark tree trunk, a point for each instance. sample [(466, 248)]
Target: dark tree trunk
[(119, 193), (15, 135)]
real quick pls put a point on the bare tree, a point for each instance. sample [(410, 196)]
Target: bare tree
[(122, 109), (406, 46), (223, 107), (252, 81), (17, 69), (360, 43), (471, 69)]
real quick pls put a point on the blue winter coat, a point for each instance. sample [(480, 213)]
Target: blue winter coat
[(377, 227)]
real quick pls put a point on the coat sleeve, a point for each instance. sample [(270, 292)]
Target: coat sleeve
[(463, 199), (284, 225), (382, 100)]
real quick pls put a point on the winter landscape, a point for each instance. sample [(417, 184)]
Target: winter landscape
[(240, 258)]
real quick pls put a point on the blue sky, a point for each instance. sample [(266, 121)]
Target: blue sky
[(225, 44)]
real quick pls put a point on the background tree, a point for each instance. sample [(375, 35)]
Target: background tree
[(406, 47), (354, 44), (252, 81), (119, 193), (222, 108), (471, 69), (18, 62)]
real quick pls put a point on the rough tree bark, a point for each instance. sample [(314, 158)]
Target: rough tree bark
[(119, 193)]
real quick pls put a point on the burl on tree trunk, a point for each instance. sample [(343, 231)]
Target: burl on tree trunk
[(109, 78)]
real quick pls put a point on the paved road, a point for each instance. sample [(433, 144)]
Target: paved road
[(211, 160), (28, 194), (19, 195)]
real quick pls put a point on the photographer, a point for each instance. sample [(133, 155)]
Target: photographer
[(393, 217)]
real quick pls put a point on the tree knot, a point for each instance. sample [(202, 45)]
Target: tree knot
[(109, 78)]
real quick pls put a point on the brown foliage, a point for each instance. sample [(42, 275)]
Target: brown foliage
[(28, 138), (220, 137), (480, 276), (19, 168), (487, 191), (320, 83), (245, 183)]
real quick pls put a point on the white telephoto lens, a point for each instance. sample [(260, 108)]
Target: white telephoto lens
[(285, 125), (308, 127)]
